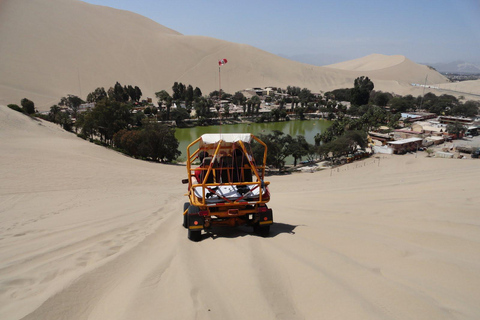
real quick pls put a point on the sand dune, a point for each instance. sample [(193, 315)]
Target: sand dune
[(369, 63), (51, 48), (87, 233), (468, 87), (382, 69)]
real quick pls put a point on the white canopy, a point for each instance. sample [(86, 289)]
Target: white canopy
[(211, 138)]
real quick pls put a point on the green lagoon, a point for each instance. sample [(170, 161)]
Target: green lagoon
[(307, 128)]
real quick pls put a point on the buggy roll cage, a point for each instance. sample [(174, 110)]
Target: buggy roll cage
[(224, 145)]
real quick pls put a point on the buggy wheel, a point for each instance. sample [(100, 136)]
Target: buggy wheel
[(186, 205), (263, 231), (195, 235)]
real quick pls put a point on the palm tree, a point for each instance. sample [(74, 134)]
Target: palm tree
[(54, 111)]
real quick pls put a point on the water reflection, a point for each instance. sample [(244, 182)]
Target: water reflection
[(307, 128)]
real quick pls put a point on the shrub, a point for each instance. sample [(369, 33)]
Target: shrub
[(15, 107)]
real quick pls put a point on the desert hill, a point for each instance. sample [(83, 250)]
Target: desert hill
[(88, 233), (370, 63), (470, 89), (51, 48)]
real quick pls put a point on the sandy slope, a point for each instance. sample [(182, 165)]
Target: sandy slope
[(466, 87), (51, 48), (87, 233), (369, 63)]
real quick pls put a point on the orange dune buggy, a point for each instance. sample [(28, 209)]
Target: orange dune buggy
[(226, 187)]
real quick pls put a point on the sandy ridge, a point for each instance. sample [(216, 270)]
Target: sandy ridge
[(52, 48), (86, 232)]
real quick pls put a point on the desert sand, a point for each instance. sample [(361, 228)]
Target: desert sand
[(88, 233), (466, 87), (52, 48)]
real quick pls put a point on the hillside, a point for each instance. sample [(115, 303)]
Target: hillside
[(88, 233), (51, 48)]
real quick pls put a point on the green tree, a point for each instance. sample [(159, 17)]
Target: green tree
[(128, 141), (189, 95), (159, 143), (337, 128), (399, 104), (299, 148), (155, 141), (256, 102), (339, 95), (28, 106), (118, 93), (97, 95), (215, 94), (276, 114), (138, 94), (456, 129), (360, 94), (381, 99), (358, 139), (345, 144), (197, 93), (138, 118), (106, 118), (131, 92), (305, 96), (65, 120), (165, 98), (300, 112), (53, 114), (467, 109), (226, 111), (238, 98), (178, 89), (293, 91), (279, 147), (179, 115), (72, 102), (202, 108)]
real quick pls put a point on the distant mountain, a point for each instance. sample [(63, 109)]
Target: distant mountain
[(456, 67)]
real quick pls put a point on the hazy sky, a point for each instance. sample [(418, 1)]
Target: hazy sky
[(423, 31)]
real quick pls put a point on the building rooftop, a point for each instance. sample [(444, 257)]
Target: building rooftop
[(409, 140)]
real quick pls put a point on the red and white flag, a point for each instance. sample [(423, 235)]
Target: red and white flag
[(221, 62)]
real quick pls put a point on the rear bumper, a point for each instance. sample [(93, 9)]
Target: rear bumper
[(244, 217)]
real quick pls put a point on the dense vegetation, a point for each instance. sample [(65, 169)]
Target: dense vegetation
[(153, 141), (28, 106), (119, 118), (280, 146)]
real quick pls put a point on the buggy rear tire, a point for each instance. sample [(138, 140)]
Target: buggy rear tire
[(186, 205), (263, 231), (195, 235)]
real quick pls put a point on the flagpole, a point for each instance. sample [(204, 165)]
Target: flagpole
[(219, 85), (221, 62), (219, 94)]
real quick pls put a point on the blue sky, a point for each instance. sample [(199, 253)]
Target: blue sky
[(423, 31)]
